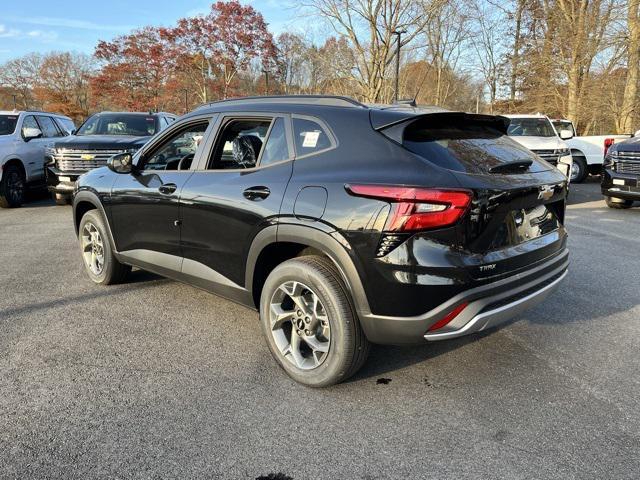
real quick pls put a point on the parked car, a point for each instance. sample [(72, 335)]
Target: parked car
[(23, 136), (342, 224), (536, 133), (621, 174), (101, 136), (588, 152)]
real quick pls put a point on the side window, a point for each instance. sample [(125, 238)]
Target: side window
[(276, 148), (65, 125), (239, 144), (309, 136), (29, 123), (178, 151), (49, 129)]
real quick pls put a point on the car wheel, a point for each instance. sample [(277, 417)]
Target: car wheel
[(310, 324), (12, 187), (61, 199), (579, 170), (97, 253), (613, 202)]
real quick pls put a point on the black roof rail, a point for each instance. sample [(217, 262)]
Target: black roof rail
[(324, 100)]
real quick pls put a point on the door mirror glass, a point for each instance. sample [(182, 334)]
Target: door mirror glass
[(566, 134), (121, 163), (29, 133)]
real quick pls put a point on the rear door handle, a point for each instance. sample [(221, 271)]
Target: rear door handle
[(168, 188), (256, 193)]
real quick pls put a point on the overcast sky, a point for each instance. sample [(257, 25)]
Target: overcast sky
[(77, 25)]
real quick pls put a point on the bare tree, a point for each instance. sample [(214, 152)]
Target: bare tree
[(628, 114), (369, 26)]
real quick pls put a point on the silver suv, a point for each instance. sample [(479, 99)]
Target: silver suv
[(23, 138)]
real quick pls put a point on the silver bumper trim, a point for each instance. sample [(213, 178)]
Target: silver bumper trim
[(497, 316)]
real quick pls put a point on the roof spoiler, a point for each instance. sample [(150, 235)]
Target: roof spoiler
[(393, 123)]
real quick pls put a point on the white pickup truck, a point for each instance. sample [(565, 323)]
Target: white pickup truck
[(587, 152)]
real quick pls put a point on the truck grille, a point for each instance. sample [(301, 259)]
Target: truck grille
[(550, 156), (627, 162), (83, 160)]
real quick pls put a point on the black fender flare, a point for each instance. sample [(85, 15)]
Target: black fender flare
[(333, 245), (92, 198)]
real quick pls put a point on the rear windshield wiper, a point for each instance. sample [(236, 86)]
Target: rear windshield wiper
[(515, 166)]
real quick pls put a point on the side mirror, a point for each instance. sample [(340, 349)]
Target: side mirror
[(29, 133), (121, 163), (566, 134)]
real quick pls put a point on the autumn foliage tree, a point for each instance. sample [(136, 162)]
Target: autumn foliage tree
[(136, 71), (219, 45)]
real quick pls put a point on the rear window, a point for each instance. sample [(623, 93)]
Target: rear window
[(464, 146), (8, 124)]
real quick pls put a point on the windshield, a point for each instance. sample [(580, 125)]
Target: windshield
[(8, 124), (530, 127), (119, 124), (463, 145)]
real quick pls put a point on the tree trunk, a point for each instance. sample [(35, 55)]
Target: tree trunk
[(628, 111), (515, 56)]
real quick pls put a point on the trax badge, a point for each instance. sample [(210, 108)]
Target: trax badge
[(546, 192), (486, 268)]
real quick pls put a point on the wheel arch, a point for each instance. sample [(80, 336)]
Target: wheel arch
[(15, 161), (85, 201), (276, 244)]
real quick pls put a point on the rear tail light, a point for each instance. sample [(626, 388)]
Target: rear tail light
[(607, 143), (415, 209), (448, 318)]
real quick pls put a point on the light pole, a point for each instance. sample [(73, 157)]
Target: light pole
[(266, 81), (186, 100), (398, 33)]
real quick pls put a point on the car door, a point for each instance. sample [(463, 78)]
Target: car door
[(32, 151), (144, 205), (236, 191), (50, 132)]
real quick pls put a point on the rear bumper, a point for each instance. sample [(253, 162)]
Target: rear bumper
[(489, 316), (486, 306)]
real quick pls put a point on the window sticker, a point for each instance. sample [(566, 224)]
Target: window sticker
[(311, 139)]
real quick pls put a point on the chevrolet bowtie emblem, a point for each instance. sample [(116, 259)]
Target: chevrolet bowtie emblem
[(87, 157)]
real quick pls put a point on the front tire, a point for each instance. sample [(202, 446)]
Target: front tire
[(12, 187), (310, 324), (579, 169), (618, 203), (97, 252)]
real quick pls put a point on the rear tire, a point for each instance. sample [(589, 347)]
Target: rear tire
[(61, 199), (579, 170), (618, 203), (12, 187), (97, 252), (307, 295)]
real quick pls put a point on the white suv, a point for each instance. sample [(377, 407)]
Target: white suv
[(23, 138), (536, 132)]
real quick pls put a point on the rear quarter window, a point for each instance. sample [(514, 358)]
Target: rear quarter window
[(310, 136), (464, 146)]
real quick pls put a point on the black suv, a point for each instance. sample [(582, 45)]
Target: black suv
[(621, 174), (343, 224), (100, 137)]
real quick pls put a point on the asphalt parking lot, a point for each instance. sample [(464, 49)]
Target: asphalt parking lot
[(155, 379)]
